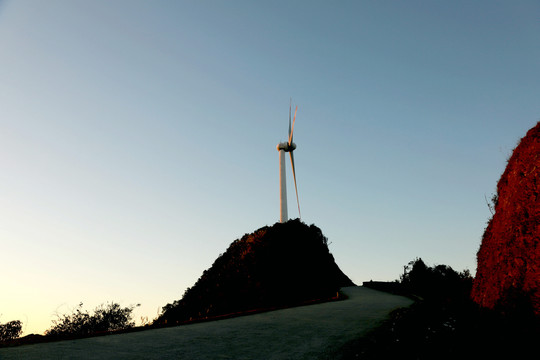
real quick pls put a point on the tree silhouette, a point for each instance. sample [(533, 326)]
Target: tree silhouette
[(440, 281), (10, 330)]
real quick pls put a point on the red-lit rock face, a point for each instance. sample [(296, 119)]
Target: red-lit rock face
[(508, 270)]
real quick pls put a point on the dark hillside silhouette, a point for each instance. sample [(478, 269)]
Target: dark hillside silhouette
[(443, 323), (281, 265)]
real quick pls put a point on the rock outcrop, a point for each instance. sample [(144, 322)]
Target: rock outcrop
[(508, 269), (277, 266)]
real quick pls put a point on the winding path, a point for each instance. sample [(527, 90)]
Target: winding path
[(307, 332)]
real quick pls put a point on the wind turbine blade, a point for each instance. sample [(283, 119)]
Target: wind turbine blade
[(291, 131), (290, 104), (295, 188)]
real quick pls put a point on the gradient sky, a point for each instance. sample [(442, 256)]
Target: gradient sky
[(138, 138)]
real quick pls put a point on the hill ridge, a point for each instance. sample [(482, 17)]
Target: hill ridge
[(281, 265)]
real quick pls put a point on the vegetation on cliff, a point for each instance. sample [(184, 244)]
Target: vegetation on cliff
[(281, 265), (508, 271)]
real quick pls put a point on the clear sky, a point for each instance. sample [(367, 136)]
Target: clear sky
[(138, 138)]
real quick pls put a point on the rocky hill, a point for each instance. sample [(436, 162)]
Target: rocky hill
[(282, 265), (508, 270)]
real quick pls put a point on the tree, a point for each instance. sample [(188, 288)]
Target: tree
[(438, 281), (10, 330)]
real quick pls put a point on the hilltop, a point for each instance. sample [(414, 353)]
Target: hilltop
[(276, 266)]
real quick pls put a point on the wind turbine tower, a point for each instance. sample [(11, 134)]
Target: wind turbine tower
[(284, 147)]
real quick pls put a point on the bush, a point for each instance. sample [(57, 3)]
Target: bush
[(10, 330), (109, 317), (441, 281)]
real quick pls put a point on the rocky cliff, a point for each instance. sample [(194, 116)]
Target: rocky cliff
[(508, 270)]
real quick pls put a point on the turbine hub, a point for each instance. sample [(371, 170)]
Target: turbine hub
[(285, 146)]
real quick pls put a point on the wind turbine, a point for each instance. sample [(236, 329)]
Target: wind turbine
[(284, 147)]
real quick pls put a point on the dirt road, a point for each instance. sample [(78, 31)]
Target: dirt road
[(307, 332)]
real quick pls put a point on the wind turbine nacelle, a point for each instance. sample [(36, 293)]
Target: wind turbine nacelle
[(285, 146)]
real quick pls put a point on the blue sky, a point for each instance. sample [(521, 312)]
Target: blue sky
[(137, 138)]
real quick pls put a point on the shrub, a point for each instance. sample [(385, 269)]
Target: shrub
[(10, 330), (109, 317), (439, 281)]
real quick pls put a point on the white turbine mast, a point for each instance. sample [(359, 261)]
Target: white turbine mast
[(284, 147)]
